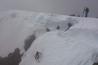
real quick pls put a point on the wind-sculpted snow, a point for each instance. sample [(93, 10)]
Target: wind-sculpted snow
[(45, 37), (74, 47), (63, 25), (17, 26)]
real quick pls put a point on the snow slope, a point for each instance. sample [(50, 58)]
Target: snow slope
[(87, 23), (77, 46), (74, 47), (17, 26), (55, 47)]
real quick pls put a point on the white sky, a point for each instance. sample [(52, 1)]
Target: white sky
[(52, 6)]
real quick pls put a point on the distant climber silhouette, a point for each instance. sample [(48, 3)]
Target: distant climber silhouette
[(86, 11), (37, 56)]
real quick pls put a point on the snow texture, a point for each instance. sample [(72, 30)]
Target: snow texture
[(60, 39), (17, 26), (74, 47), (87, 23)]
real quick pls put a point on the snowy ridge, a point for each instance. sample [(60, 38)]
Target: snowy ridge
[(77, 46), (89, 23), (16, 26), (60, 39), (74, 47)]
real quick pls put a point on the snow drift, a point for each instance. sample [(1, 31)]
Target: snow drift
[(74, 47), (77, 46), (18, 26), (58, 39)]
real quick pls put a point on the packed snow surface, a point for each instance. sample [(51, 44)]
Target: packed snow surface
[(60, 39), (17, 26), (74, 47)]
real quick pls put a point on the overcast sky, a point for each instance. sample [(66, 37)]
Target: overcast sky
[(52, 6)]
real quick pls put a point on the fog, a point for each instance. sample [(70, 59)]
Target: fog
[(52, 6)]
